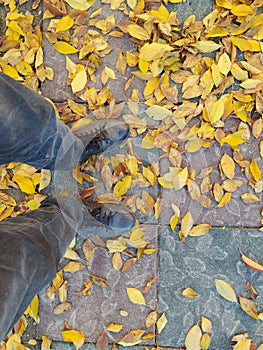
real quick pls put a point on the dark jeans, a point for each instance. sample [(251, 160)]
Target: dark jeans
[(32, 244)]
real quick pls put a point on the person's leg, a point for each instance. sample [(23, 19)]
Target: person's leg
[(31, 246), (29, 130)]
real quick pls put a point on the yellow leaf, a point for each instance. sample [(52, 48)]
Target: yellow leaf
[(62, 307), (71, 67), (217, 110), (189, 293), (24, 68), (77, 108), (216, 75), (224, 200), (249, 307), (200, 230), (122, 186), (151, 319), (138, 32), (231, 185), (135, 296), (158, 112), (180, 179), (217, 32), (110, 73), (246, 44), (227, 166), (207, 46), (193, 338), (144, 66), (117, 262), (116, 245), (82, 5), (235, 138), (205, 341), (154, 51), (249, 198), (132, 338), (25, 184), (161, 323), (224, 63), (64, 48), (79, 82), (65, 23), (206, 325), (45, 345), (251, 83), (238, 72), (34, 309), (173, 221), (225, 290), (186, 224), (255, 170), (241, 10), (72, 335), (114, 327), (73, 266), (165, 183)]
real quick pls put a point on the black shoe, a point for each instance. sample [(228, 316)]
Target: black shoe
[(108, 218), (101, 134)]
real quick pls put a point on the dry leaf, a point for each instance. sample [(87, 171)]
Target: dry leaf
[(200, 230), (228, 166), (88, 249), (193, 338), (135, 296), (72, 335), (249, 307), (114, 327), (249, 198), (189, 293), (225, 290), (62, 307), (132, 338), (251, 263), (102, 342), (100, 281), (161, 323), (206, 325), (151, 319)]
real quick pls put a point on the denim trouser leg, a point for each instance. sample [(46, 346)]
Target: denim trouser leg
[(30, 132), (32, 244)]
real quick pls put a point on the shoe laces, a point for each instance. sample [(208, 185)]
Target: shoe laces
[(102, 214)]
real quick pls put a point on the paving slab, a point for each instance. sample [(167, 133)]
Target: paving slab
[(196, 264), (91, 314), (236, 213)]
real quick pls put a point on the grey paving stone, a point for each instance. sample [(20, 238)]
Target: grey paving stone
[(196, 264), (93, 313), (236, 213)]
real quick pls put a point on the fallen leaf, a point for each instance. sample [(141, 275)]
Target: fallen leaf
[(161, 323), (132, 338), (249, 307), (225, 290), (62, 307), (72, 335), (189, 293), (251, 263), (88, 249), (151, 319), (135, 296), (114, 327), (193, 338)]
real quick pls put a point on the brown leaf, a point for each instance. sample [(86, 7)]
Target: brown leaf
[(251, 290), (132, 338), (100, 281), (102, 342), (249, 307), (117, 262), (128, 264), (88, 249), (62, 307)]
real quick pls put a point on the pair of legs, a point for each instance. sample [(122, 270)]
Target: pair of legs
[(32, 244)]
